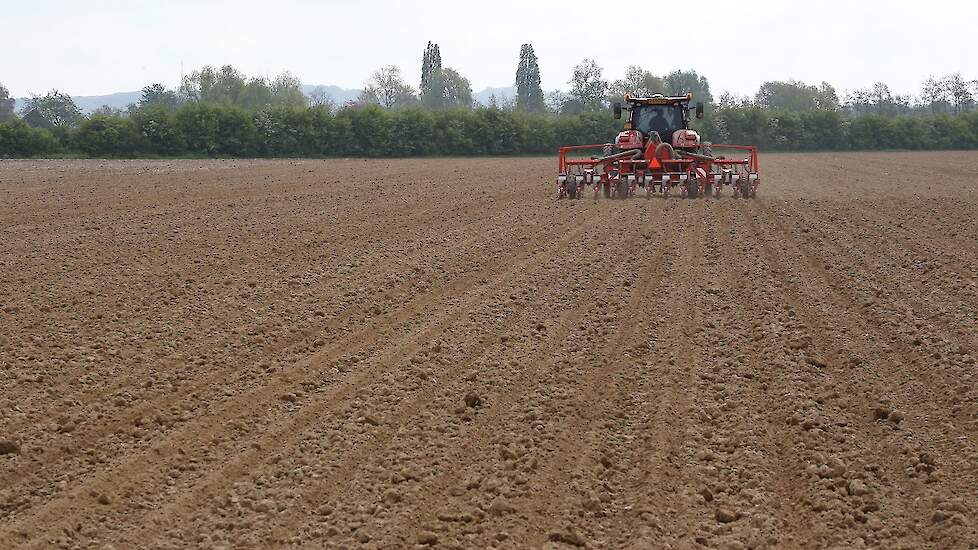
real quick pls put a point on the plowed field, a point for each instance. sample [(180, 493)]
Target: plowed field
[(385, 354)]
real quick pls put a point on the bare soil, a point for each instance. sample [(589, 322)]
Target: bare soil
[(437, 353)]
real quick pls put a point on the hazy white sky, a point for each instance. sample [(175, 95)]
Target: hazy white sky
[(90, 47)]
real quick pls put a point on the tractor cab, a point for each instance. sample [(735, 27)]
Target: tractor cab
[(667, 117)]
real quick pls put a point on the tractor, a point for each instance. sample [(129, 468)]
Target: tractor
[(657, 151)]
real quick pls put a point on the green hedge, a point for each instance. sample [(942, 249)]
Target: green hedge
[(218, 130), (18, 140)]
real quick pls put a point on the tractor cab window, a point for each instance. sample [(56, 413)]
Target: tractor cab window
[(664, 119)]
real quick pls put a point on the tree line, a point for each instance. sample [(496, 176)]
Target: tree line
[(222, 112)]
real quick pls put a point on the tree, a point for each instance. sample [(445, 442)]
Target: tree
[(157, 95), (729, 100), (792, 95), (216, 86), (637, 82), (529, 93), (933, 94), (957, 90), (457, 90), (287, 91), (555, 101), (19, 140), (682, 82), (388, 89), (826, 99), (52, 110), (102, 135), (229, 86), (6, 104), (319, 97), (587, 87), (109, 111), (432, 88)]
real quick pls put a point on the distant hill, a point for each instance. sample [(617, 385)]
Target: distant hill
[(502, 94), (121, 100), (337, 94), (340, 96), (88, 103)]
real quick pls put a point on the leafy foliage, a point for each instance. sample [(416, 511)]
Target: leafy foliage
[(156, 95), (52, 110), (103, 135), (431, 90), (20, 140), (229, 86), (6, 104), (529, 93), (588, 89), (388, 89), (795, 96), (638, 82), (682, 82), (220, 112)]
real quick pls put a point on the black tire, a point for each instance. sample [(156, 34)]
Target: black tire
[(570, 186), (744, 191), (694, 188), (606, 190), (622, 190)]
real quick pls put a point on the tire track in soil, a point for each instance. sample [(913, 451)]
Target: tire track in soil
[(881, 456), (721, 455), (91, 395), (353, 458), (54, 458), (434, 508), (430, 498), (781, 393), (872, 300), (402, 206), (582, 451), (947, 262), (177, 442)]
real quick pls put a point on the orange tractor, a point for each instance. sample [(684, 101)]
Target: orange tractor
[(657, 151)]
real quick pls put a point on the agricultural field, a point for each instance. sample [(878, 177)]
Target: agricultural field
[(438, 353)]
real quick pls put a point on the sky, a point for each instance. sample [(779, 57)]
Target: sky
[(93, 47)]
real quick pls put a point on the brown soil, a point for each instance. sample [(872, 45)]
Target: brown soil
[(438, 353)]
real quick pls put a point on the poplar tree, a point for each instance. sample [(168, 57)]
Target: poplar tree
[(529, 94), (432, 79)]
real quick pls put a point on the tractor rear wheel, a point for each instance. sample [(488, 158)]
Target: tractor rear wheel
[(606, 190), (745, 191)]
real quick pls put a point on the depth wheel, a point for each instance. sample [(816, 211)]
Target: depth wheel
[(570, 188), (622, 189)]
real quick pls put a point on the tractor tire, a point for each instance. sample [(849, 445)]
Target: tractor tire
[(708, 190), (570, 186), (622, 190), (694, 189), (606, 190), (745, 191)]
